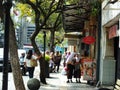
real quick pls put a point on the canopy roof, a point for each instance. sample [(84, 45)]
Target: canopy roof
[(74, 16)]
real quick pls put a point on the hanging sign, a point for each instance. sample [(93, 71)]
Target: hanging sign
[(113, 31), (89, 40)]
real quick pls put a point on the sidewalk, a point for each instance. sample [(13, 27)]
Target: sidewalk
[(57, 81)]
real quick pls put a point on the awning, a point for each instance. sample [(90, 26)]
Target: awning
[(74, 16)]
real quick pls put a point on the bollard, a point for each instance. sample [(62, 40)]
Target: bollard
[(33, 84)]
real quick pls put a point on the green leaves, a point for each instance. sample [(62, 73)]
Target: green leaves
[(95, 7), (25, 10)]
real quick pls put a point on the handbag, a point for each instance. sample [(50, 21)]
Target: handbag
[(33, 63)]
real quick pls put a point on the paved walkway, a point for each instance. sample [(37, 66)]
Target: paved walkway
[(57, 81)]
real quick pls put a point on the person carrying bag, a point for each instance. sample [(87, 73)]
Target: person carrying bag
[(70, 66), (30, 62)]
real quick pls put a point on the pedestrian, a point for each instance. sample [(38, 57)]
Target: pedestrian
[(70, 67), (64, 58), (47, 59), (68, 54), (77, 71), (51, 62), (23, 69), (57, 60), (27, 62)]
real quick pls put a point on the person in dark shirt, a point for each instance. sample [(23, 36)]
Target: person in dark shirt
[(57, 60)]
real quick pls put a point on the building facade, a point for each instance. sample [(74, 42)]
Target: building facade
[(105, 49), (109, 42), (24, 32)]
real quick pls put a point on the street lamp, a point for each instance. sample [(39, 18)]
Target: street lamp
[(7, 5)]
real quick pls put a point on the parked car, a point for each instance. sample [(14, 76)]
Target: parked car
[(20, 51), (2, 61)]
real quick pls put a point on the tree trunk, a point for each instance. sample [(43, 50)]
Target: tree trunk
[(41, 61), (1, 10), (32, 38), (17, 75), (42, 71)]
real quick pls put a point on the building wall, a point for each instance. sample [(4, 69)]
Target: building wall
[(110, 15), (25, 32), (109, 12)]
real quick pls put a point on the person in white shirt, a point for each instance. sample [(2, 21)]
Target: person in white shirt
[(70, 67), (77, 71), (27, 63)]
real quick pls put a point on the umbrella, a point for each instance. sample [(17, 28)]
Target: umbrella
[(88, 39)]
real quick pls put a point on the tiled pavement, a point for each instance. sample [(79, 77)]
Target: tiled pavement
[(57, 81)]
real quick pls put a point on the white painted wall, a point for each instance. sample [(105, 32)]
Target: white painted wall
[(110, 15)]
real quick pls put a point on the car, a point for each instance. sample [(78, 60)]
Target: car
[(2, 61), (20, 51)]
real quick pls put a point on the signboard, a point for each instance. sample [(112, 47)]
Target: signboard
[(72, 41), (88, 69), (88, 39), (113, 31), (58, 48)]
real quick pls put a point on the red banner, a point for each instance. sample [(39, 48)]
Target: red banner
[(113, 31)]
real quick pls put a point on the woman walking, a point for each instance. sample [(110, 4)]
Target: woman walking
[(57, 60), (70, 67), (77, 71), (27, 63)]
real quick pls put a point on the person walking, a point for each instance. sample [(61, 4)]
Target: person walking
[(27, 62), (77, 71), (57, 60), (64, 57), (51, 62), (47, 60), (70, 67), (23, 69)]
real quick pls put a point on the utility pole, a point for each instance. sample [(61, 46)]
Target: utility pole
[(99, 49), (7, 5)]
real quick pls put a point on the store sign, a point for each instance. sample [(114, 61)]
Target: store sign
[(72, 42), (89, 40), (113, 31)]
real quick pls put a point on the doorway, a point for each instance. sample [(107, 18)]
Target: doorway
[(117, 57)]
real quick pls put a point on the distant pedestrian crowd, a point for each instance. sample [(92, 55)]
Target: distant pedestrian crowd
[(71, 64), (52, 62)]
